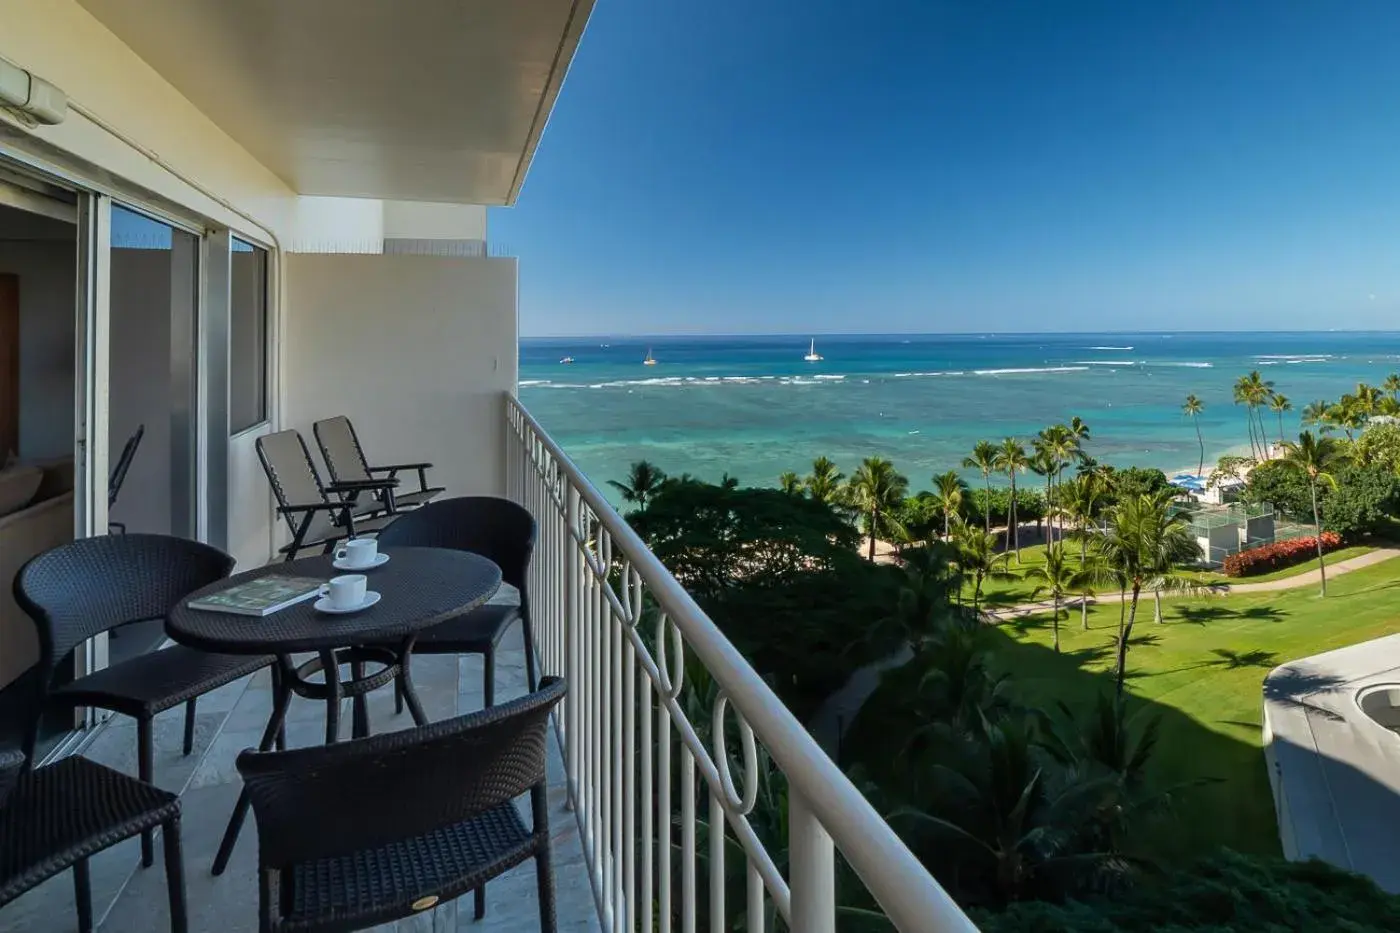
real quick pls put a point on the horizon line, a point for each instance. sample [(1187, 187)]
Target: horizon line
[(945, 333)]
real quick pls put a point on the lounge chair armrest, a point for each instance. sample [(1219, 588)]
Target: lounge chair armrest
[(314, 507), (393, 470), (361, 485)]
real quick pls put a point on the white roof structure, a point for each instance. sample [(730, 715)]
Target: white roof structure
[(1334, 767), (429, 100)]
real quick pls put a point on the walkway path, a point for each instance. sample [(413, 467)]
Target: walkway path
[(1307, 578), (840, 709)]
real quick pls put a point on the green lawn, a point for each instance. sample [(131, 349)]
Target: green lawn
[(1202, 671), (1018, 590)]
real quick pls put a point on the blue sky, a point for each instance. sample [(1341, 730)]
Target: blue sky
[(773, 166)]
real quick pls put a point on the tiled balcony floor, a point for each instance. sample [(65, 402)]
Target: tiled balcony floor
[(130, 899)]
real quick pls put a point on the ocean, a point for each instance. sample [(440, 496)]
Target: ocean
[(751, 407)]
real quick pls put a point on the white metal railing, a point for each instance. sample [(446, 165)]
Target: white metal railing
[(612, 620)]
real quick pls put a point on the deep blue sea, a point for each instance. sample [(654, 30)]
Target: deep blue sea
[(751, 406)]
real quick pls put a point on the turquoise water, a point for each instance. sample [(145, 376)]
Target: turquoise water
[(751, 406)]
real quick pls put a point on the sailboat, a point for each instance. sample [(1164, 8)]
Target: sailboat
[(812, 355), (650, 360)]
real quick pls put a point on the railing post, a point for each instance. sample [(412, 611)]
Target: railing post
[(572, 586), (812, 870)]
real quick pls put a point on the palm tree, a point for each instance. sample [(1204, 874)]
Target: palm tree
[(948, 497), (1011, 459), (1278, 404), (644, 480), (1105, 743), (1241, 397), (790, 483), (1042, 464), (1253, 391), (979, 558), (1348, 414), (824, 482), (1082, 499), (1192, 409), (877, 489), (1061, 448), (1079, 430), (1261, 390), (997, 805), (931, 579), (984, 458), (1391, 385), (1315, 458), (955, 686), (1315, 414), (1143, 542), (1085, 589), (1367, 397), (1058, 576)]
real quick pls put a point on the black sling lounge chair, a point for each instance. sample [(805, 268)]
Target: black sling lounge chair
[(345, 458), (320, 514), (118, 477)]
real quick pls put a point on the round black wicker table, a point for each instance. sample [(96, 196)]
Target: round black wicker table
[(418, 587)]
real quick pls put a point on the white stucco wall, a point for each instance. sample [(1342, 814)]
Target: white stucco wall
[(64, 44), (337, 225), (416, 350), (420, 221), (431, 340)]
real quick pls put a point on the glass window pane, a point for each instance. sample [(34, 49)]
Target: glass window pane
[(248, 337), (151, 397)]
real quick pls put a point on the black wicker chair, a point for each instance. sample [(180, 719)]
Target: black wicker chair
[(373, 830), (57, 817), (498, 530), (118, 477), (345, 458), (93, 585), (320, 514)]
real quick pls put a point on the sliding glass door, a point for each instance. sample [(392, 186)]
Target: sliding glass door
[(43, 285), (152, 412)]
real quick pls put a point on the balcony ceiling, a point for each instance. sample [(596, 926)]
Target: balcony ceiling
[(420, 100)]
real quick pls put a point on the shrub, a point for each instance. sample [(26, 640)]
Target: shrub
[(1269, 557), (1227, 892), (1365, 499)]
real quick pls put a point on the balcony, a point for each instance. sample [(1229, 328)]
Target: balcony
[(231, 719), (684, 795)]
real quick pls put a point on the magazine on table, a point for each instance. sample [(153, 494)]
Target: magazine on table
[(260, 597)]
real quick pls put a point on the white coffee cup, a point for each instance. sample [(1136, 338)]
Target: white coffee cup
[(357, 552), (347, 591)]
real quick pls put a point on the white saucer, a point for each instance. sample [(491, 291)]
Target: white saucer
[(324, 604), (380, 560)]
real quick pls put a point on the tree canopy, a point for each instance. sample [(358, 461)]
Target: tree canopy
[(782, 578)]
